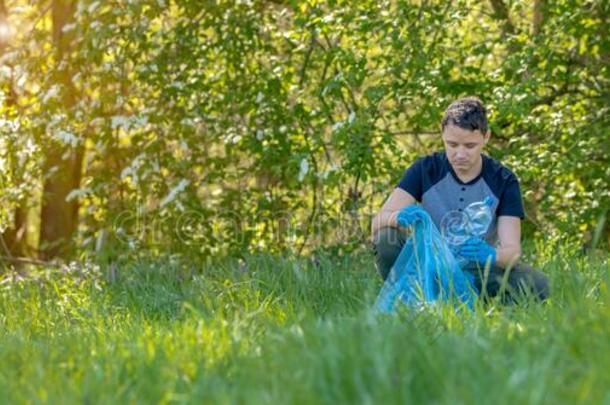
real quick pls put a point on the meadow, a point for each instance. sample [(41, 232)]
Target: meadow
[(269, 329)]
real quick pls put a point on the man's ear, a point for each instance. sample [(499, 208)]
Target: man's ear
[(487, 136)]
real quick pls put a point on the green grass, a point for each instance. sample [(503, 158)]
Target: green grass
[(283, 331)]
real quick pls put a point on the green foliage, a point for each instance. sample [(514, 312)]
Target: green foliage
[(255, 125)]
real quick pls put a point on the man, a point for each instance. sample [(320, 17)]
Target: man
[(451, 180)]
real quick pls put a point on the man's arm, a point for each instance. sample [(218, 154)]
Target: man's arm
[(509, 235), (386, 217)]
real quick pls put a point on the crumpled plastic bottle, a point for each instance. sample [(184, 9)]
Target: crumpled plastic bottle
[(458, 226)]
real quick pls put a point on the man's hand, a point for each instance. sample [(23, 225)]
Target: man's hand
[(477, 250), (386, 217), (406, 216)]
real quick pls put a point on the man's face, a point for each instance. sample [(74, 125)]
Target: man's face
[(463, 147)]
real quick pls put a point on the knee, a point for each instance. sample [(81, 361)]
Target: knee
[(388, 242), (387, 237), (387, 245), (537, 282), (542, 285)]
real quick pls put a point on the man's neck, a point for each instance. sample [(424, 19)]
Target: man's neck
[(465, 177)]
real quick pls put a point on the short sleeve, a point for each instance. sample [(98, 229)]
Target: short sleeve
[(511, 203), (412, 181)]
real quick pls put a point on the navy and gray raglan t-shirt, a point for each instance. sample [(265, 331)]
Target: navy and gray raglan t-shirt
[(432, 181)]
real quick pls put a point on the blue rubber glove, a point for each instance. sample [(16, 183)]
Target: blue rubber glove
[(407, 216), (477, 250)]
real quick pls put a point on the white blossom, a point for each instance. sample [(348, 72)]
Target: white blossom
[(119, 121), (78, 193), (67, 138), (304, 168), (171, 196), (52, 93)]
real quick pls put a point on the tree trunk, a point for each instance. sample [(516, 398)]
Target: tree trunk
[(59, 218), (540, 7), (13, 238)]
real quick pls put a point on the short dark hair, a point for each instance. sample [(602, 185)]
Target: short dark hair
[(466, 113)]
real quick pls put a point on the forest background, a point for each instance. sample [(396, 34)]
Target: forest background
[(211, 129)]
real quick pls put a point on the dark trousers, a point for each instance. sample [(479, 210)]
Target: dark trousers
[(511, 283)]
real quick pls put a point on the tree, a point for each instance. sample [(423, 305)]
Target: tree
[(59, 217), (219, 128)]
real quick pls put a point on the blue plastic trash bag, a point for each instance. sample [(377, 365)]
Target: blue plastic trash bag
[(425, 271)]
